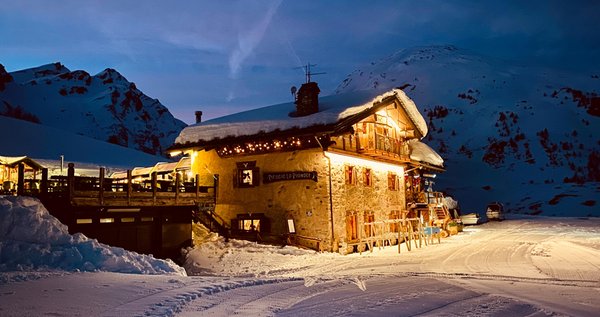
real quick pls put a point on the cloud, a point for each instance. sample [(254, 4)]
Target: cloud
[(249, 38)]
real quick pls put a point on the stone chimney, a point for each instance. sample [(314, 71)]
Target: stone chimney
[(198, 116), (307, 101)]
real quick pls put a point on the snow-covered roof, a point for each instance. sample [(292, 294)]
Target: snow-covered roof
[(160, 167), (165, 167), (421, 152), (140, 171), (332, 110), (184, 164), (10, 160)]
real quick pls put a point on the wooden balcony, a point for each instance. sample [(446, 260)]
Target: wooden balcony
[(374, 145)]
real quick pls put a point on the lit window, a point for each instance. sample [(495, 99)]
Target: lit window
[(107, 220), (367, 177), (350, 172), (250, 224), (369, 218), (394, 215), (351, 226), (84, 221), (392, 181)]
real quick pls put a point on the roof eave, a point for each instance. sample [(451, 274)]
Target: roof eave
[(294, 132)]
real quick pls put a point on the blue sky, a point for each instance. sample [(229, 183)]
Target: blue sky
[(225, 56)]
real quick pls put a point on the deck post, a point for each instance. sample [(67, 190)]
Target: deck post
[(215, 187), (44, 182), (129, 187), (101, 188), (197, 185), (21, 179), (177, 184), (71, 180), (154, 188)]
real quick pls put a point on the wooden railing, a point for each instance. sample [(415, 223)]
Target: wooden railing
[(104, 191), (373, 143)]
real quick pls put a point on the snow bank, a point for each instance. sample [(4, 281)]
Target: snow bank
[(212, 255), (32, 239)]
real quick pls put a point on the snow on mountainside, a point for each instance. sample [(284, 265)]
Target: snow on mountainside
[(526, 136), (105, 106), (43, 142)]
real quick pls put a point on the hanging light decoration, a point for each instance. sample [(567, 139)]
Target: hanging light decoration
[(266, 146)]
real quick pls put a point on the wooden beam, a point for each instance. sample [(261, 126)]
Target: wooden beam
[(21, 179), (44, 182), (101, 189), (71, 180), (177, 183), (154, 182), (129, 187), (197, 184), (215, 187)]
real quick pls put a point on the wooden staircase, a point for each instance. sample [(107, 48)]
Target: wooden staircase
[(205, 214)]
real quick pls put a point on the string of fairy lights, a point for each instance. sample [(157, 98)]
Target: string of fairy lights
[(266, 146)]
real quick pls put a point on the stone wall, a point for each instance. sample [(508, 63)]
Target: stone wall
[(359, 198), (305, 201)]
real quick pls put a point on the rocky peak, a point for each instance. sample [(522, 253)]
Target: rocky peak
[(5, 77)]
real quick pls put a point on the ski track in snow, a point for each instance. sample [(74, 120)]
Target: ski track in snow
[(522, 256), (523, 267)]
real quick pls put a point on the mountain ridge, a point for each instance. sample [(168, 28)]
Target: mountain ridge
[(527, 136), (105, 106)]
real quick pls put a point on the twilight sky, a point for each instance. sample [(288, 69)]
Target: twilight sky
[(225, 56)]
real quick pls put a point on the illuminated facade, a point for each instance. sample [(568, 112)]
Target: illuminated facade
[(318, 181)]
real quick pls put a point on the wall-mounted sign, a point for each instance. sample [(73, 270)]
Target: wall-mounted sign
[(289, 176), (247, 174)]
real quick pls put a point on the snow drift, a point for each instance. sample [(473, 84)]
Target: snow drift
[(32, 239)]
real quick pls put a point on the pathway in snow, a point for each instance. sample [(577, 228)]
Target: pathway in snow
[(522, 267), (546, 266)]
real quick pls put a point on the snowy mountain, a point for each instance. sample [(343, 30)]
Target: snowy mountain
[(525, 136), (105, 106), (43, 142)]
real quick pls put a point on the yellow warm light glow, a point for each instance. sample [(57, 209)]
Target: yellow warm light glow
[(342, 159), (175, 153), (389, 120), (193, 156)]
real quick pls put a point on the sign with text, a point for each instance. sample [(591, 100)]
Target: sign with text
[(289, 176)]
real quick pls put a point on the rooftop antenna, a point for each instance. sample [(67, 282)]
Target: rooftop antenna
[(307, 71)]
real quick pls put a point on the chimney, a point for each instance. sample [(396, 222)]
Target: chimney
[(198, 116), (307, 101)]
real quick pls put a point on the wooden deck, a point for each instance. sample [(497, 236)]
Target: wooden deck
[(106, 192), (148, 216)]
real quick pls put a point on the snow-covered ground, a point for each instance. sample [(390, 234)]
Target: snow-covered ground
[(534, 266)]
